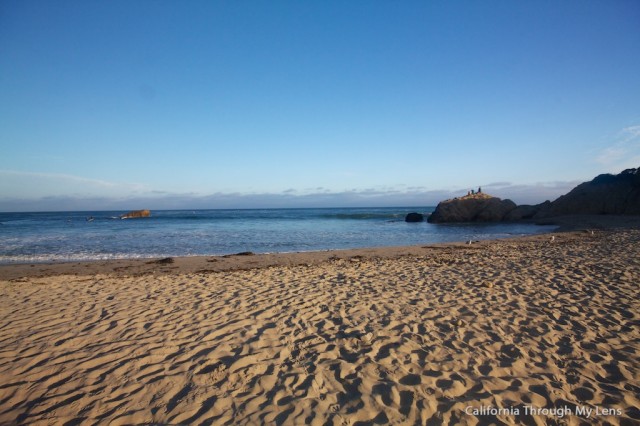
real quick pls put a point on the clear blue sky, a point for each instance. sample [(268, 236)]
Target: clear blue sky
[(262, 103)]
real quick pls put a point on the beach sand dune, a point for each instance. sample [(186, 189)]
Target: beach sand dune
[(416, 339)]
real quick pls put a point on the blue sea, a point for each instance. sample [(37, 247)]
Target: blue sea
[(72, 236)]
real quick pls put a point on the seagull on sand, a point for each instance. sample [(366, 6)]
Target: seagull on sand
[(553, 237)]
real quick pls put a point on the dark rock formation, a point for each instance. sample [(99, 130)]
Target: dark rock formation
[(526, 211), (164, 261), (472, 208), (242, 253), (136, 214), (606, 194), (414, 217)]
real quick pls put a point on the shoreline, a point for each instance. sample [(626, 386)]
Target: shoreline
[(235, 261), (566, 226)]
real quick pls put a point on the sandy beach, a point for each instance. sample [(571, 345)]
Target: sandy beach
[(520, 331)]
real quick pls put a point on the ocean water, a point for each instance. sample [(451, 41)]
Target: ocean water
[(69, 236)]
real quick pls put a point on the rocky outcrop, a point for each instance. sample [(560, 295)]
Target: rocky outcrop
[(606, 194), (136, 214), (472, 208), (414, 217), (527, 212)]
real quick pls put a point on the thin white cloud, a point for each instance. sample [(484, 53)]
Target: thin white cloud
[(57, 176), (33, 191), (370, 197), (37, 184), (498, 185), (623, 152), (633, 131), (530, 193)]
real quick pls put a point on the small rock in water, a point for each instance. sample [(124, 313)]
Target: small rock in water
[(414, 217)]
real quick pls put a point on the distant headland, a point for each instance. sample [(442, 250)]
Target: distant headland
[(606, 194)]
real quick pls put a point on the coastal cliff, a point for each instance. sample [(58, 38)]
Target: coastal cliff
[(606, 194)]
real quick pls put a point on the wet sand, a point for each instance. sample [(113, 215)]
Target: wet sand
[(470, 334)]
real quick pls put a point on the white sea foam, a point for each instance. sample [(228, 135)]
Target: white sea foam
[(76, 257)]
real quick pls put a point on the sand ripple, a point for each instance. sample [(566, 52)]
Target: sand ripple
[(414, 340)]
